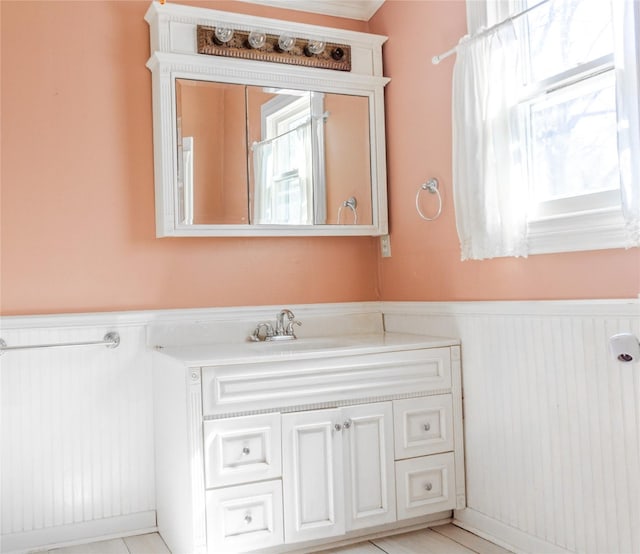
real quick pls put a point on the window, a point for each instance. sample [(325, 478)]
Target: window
[(567, 110), (546, 127)]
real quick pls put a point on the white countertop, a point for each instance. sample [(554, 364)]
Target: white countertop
[(300, 349)]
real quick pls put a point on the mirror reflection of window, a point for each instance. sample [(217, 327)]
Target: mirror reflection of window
[(288, 160)]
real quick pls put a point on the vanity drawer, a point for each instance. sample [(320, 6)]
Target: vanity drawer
[(245, 517), (282, 383), (425, 485), (242, 449), (423, 425)]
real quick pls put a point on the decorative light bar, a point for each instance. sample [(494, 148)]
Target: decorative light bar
[(285, 48)]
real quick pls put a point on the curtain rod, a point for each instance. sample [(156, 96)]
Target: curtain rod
[(437, 59), (322, 117), (257, 143)]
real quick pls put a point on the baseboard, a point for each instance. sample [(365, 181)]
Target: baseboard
[(78, 533), (503, 535)]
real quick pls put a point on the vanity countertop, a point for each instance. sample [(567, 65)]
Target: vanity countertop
[(302, 348)]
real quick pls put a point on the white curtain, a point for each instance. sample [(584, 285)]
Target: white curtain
[(283, 178), (490, 205), (626, 18), (304, 165), (262, 171)]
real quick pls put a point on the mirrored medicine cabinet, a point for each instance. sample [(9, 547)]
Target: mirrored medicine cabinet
[(256, 148)]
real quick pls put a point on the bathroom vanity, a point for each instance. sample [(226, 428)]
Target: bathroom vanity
[(278, 447)]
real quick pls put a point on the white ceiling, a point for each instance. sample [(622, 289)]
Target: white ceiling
[(352, 9)]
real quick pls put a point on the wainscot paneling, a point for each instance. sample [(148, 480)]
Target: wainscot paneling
[(77, 437), (76, 441), (552, 421)]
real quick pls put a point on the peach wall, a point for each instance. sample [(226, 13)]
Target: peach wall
[(348, 165), (235, 198), (425, 262), (194, 101), (77, 221)]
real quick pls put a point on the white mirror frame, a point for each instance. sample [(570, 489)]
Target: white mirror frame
[(173, 56)]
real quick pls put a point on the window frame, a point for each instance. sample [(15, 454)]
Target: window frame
[(592, 221)]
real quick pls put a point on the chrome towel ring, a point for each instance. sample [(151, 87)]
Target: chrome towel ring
[(432, 186), (352, 204)]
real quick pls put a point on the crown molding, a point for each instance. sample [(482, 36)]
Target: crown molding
[(362, 10)]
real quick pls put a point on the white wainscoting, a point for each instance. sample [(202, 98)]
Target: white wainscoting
[(552, 422), (77, 436), (76, 426)]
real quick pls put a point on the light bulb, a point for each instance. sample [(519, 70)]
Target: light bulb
[(286, 42), (257, 39), (315, 46), (223, 34)]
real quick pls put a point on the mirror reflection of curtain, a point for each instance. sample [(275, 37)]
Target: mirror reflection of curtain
[(185, 180), (262, 169), (318, 118), (284, 178)]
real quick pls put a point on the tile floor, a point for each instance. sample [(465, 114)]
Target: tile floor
[(445, 539), (150, 543)]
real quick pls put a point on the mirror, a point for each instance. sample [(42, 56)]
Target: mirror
[(264, 156), (248, 143)]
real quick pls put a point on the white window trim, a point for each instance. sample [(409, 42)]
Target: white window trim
[(594, 230)]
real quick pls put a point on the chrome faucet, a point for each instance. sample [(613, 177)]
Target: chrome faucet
[(280, 328), (282, 331)]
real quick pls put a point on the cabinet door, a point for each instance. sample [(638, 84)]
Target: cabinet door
[(312, 476), (370, 480)]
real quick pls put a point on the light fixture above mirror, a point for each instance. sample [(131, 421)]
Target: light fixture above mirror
[(267, 47)]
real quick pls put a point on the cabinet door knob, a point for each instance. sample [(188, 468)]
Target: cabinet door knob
[(337, 427), (427, 426), (246, 451), (347, 424), (248, 519), (428, 487)]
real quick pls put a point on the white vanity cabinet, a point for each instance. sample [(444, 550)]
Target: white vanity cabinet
[(338, 470), (285, 448)]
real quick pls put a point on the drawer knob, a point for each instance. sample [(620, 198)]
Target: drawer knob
[(428, 487), (427, 426), (246, 451), (337, 427), (248, 519), (347, 424)]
